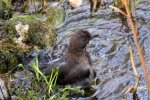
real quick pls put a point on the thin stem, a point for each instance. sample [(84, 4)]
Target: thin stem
[(137, 45)]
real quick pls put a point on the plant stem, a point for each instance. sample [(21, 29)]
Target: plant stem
[(137, 44)]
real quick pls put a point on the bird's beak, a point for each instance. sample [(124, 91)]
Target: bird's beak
[(95, 36)]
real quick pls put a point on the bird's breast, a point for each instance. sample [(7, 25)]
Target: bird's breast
[(84, 64)]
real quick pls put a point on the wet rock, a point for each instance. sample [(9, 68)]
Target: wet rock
[(20, 83), (110, 52), (4, 94), (51, 12)]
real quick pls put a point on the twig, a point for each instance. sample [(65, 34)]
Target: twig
[(135, 37), (132, 61), (133, 89), (137, 44), (117, 9)]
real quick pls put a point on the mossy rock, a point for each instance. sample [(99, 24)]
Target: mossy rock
[(10, 56), (4, 8), (40, 33), (1, 9), (2, 22), (56, 15)]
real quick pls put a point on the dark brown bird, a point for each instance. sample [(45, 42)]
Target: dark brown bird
[(75, 65)]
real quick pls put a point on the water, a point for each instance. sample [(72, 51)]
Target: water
[(110, 51)]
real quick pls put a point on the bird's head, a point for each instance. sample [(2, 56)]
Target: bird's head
[(79, 40)]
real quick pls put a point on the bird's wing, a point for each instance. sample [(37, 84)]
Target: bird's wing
[(92, 71), (89, 58), (47, 68)]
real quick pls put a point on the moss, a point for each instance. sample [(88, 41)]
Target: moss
[(4, 8), (7, 3), (10, 57), (56, 15), (40, 33), (1, 9)]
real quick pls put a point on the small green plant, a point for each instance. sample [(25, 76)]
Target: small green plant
[(53, 76), (50, 90), (63, 93)]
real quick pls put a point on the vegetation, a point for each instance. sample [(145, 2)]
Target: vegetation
[(47, 84), (10, 57), (40, 34)]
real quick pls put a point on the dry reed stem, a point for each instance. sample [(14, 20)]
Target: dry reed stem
[(132, 61), (135, 71), (133, 89), (117, 9), (135, 37), (137, 44)]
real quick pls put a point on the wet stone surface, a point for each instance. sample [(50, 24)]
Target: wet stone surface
[(110, 51)]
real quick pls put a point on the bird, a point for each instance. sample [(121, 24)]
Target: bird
[(75, 64)]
